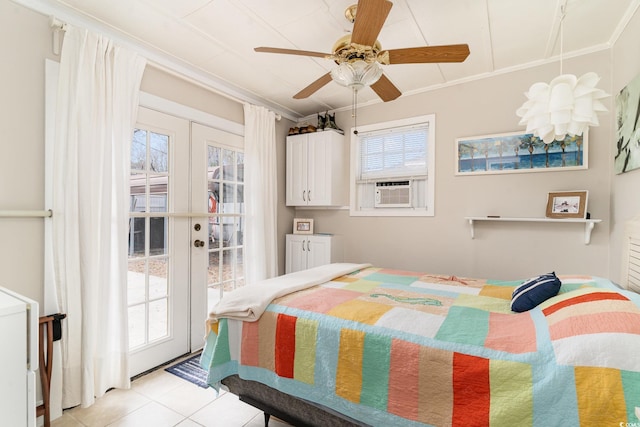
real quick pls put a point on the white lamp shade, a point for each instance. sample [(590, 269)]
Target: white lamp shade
[(566, 106), (583, 108), (561, 97), (575, 128)]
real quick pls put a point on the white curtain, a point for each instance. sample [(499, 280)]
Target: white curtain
[(95, 113), (261, 194)]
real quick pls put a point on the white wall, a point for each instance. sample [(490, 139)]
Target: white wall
[(442, 244), (25, 44), (625, 199)]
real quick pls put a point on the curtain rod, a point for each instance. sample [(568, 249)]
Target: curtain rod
[(183, 215), (26, 214), (58, 26)]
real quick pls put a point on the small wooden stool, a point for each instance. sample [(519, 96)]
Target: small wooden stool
[(46, 326)]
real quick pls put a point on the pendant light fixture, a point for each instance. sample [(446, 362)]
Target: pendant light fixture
[(568, 105)]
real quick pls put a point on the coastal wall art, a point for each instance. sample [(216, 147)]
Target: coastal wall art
[(518, 152), (627, 156)]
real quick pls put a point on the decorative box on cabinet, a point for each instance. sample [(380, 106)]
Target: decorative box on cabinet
[(315, 169), (311, 250)]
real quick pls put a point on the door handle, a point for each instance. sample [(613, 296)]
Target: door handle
[(304, 192), (308, 247), (198, 243)]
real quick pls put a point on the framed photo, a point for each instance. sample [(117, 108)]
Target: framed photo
[(567, 204), (302, 226), (518, 152)]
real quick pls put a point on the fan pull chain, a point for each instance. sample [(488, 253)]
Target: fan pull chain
[(354, 110)]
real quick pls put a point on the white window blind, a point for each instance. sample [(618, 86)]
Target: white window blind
[(394, 152)]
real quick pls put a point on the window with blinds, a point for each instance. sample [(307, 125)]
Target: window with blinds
[(394, 161), (394, 152)]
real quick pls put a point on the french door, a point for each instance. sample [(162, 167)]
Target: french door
[(158, 274), (185, 233), (217, 162)]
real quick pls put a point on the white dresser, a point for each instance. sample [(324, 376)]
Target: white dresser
[(18, 359)]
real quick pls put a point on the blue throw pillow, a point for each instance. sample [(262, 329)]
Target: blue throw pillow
[(534, 291)]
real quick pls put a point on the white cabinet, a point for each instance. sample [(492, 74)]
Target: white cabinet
[(312, 250), (316, 173), (18, 359)]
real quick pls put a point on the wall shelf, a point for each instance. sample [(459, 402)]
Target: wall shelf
[(588, 223)]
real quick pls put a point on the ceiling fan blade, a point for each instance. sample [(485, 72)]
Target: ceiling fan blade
[(313, 87), (385, 89), (370, 17), (427, 54), (291, 51)]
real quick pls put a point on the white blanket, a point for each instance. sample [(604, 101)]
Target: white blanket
[(249, 302)]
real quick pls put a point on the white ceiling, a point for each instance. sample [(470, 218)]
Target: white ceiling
[(215, 38)]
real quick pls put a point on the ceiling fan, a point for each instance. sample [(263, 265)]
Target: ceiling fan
[(359, 53)]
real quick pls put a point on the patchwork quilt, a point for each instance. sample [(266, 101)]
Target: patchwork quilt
[(397, 348)]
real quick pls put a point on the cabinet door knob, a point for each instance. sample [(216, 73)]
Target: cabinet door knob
[(309, 195), (304, 193), (308, 245)]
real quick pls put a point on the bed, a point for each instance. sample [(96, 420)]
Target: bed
[(349, 344)]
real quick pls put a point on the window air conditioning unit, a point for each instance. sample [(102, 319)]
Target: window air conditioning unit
[(393, 194)]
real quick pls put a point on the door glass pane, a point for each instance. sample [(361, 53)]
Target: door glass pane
[(239, 258), (214, 276), (158, 273), (137, 236), (159, 153), (228, 269), (138, 189), (137, 326), (228, 197), (158, 319), (228, 161), (139, 150), (136, 280), (158, 200), (214, 156), (240, 166), (158, 235), (148, 286)]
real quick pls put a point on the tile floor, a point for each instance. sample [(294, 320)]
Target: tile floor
[(161, 399)]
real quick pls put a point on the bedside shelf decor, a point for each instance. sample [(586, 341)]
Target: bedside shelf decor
[(588, 223)]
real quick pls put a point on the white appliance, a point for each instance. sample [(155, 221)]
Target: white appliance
[(393, 194), (18, 359)]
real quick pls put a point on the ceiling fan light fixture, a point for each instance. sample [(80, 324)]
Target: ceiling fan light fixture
[(356, 74), (361, 44)]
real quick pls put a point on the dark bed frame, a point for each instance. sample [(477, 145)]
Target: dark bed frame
[(295, 411)]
